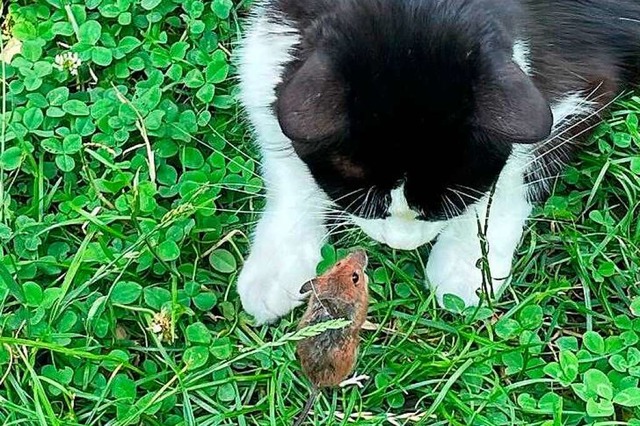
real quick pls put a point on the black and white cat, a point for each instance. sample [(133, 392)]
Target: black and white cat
[(406, 114)]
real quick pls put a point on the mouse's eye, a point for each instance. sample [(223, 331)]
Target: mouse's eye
[(355, 278)]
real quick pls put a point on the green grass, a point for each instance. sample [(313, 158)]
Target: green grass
[(127, 192)]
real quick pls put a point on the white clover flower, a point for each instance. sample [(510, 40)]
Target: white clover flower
[(161, 325), (68, 61)]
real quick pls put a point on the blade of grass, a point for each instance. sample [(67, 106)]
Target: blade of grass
[(70, 275), (14, 288)]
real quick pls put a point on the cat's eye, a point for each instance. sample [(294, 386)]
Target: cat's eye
[(355, 278)]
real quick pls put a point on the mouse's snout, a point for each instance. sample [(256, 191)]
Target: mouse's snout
[(307, 287)]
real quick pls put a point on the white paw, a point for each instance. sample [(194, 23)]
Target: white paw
[(453, 269), (270, 281), (356, 380), (454, 276)]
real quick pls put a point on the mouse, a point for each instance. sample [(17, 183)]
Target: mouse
[(340, 293)]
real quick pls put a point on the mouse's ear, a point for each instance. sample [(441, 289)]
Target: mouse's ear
[(308, 286), (510, 107), (311, 105), (361, 257)]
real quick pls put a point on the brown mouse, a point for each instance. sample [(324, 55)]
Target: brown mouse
[(342, 292)]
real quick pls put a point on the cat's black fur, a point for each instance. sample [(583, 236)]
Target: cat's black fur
[(425, 92)]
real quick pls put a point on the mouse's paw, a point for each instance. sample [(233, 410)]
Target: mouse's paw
[(356, 380), (270, 281)]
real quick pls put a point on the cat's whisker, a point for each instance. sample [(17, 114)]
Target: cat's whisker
[(337, 219), (354, 202), (337, 210), (563, 142), (349, 194), (361, 210), (251, 195), (588, 101), (365, 203), (457, 209), (462, 194), (477, 191), (224, 155), (332, 213), (230, 187), (457, 194), (449, 207), (576, 121), (240, 211), (278, 152), (557, 147), (337, 230), (371, 205), (444, 207), (235, 148), (378, 201), (530, 184), (231, 184), (343, 233)]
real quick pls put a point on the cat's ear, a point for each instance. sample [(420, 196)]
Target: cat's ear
[(510, 107), (311, 105)]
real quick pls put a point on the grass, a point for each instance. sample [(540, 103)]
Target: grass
[(127, 194)]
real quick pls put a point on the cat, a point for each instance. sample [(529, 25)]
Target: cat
[(408, 116)]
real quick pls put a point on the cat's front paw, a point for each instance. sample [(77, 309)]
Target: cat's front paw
[(453, 269), (457, 277), (270, 281)]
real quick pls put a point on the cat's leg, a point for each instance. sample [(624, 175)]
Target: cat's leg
[(287, 241), (453, 266)]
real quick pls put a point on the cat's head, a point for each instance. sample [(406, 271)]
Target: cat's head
[(406, 112)]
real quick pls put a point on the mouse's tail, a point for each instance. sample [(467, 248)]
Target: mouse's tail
[(307, 407)]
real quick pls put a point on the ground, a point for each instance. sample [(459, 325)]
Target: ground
[(129, 186)]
